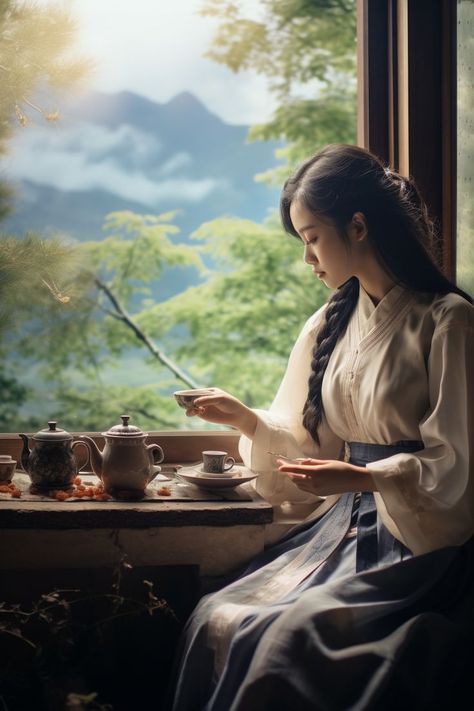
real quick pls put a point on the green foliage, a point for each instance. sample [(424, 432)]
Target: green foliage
[(34, 273), (35, 53), (235, 327), (14, 394), (137, 250), (36, 59), (243, 320), (76, 327), (307, 51), (307, 125), (293, 42)]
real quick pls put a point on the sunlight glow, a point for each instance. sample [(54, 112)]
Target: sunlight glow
[(156, 49)]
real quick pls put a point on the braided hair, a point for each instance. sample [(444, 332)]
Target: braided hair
[(335, 183)]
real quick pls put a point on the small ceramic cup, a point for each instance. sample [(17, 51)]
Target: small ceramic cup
[(217, 463), (185, 398), (7, 468)]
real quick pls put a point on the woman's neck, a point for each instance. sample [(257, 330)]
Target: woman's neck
[(377, 286)]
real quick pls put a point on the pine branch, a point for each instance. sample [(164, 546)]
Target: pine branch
[(124, 316)]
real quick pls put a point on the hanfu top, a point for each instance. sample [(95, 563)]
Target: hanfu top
[(403, 370)]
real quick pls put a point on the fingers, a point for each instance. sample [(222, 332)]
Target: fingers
[(307, 467), (219, 397), (191, 411), (207, 400), (303, 482)]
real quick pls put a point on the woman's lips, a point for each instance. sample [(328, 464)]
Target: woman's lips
[(318, 273)]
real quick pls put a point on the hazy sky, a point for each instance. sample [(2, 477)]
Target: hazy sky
[(155, 48)]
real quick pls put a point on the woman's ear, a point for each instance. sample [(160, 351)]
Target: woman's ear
[(357, 227)]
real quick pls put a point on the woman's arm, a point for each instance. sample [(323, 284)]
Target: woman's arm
[(326, 477), (225, 409), (429, 495)]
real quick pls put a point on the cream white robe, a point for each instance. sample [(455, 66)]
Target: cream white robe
[(404, 370)]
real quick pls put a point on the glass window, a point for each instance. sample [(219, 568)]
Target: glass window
[(162, 178), (465, 145)]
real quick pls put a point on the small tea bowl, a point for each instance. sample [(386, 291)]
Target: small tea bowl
[(185, 398), (7, 468)]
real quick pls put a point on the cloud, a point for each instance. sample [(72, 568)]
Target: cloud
[(176, 162), (91, 157), (156, 49)]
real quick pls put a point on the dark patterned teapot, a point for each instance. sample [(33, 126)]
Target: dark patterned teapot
[(51, 463)]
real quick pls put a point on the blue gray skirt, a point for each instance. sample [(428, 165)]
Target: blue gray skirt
[(329, 621)]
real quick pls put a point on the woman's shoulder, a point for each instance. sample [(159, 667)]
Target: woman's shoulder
[(452, 310), (315, 321), (446, 311)]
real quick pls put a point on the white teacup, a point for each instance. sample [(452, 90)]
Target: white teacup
[(7, 468), (217, 463), (185, 398)]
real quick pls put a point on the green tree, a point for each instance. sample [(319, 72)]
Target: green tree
[(307, 51), (243, 318), (232, 330), (35, 58), (235, 327), (91, 324), (36, 45)]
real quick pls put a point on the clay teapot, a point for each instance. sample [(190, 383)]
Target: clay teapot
[(126, 465), (51, 463)]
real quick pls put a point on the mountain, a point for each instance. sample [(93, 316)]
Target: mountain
[(124, 152)]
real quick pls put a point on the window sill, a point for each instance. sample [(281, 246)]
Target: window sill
[(178, 446), (215, 536)]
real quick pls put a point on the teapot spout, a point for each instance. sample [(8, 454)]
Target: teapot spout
[(25, 452), (96, 455)]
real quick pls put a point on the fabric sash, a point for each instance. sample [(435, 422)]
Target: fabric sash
[(375, 545)]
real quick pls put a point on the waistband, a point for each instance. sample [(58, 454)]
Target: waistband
[(362, 453)]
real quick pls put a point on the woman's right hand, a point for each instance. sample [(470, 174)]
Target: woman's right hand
[(224, 409)]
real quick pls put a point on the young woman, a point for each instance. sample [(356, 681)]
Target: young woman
[(367, 602)]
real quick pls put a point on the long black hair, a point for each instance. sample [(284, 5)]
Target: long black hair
[(335, 183)]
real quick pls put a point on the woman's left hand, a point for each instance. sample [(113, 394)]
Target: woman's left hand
[(324, 477)]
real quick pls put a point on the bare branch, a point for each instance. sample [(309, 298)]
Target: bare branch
[(156, 352)]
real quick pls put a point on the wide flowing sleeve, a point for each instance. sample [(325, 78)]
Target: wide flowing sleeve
[(427, 498), (280, 429)]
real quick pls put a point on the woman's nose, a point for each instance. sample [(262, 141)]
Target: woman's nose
[(308, 255)]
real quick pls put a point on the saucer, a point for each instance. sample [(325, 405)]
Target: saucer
[(195, 475)]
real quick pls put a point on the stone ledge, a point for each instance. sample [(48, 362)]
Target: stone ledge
[(15, 514)]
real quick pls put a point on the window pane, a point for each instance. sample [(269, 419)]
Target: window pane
[(465, 148), (192, 281)]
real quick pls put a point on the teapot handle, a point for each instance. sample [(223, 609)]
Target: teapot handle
[(84, 444), (155, 461)]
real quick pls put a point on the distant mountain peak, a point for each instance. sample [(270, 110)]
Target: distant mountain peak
[(187, 101)]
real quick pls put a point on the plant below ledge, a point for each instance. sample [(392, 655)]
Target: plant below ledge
[(74, 652)]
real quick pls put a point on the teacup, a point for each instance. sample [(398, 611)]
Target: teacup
[(7, 468), (216, 462), (185, 398)]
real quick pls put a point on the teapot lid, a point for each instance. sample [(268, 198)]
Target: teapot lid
[(124, 430), (53, 434)]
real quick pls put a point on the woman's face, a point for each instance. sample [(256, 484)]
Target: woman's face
[(331, 258)]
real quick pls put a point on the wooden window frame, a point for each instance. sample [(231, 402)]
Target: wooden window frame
[(182, 446), (407, 100)]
